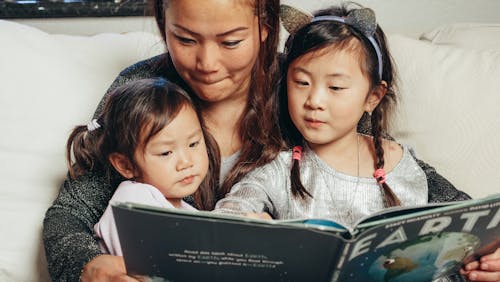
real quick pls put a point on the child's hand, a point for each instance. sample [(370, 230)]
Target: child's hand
[(486, 269), (262, 215)]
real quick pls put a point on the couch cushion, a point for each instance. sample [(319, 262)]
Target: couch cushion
[(449, 110), (50, 83), (481, 36)]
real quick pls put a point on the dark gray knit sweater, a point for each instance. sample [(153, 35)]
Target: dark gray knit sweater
[(67, 229)]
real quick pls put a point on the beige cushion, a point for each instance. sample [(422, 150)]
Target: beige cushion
[(481, 36), (49, 83), (449, 110)]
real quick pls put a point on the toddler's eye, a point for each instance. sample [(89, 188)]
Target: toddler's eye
[(194, 144)]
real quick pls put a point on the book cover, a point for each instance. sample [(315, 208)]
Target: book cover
[(404, 244)]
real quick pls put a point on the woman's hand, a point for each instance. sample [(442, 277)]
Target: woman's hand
[(486, 269), (106, 268)]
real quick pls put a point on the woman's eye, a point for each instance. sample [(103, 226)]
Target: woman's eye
[(232, 44), (185, 40), (194, 144)]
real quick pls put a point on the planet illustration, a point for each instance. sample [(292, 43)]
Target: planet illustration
[(425, 258)]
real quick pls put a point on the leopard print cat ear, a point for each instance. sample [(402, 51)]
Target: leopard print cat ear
[(293, 19)]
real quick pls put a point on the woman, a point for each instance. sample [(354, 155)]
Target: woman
[(223, 52)]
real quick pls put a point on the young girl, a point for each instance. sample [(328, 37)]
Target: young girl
[(150, 133), (339, 74), (340, 92)]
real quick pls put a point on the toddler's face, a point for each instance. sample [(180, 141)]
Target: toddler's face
[(327, 95), (175, 160)]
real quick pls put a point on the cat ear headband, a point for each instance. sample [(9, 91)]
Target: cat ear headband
[(363, 20)]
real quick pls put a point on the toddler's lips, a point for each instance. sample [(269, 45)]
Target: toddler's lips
[(188, 180)]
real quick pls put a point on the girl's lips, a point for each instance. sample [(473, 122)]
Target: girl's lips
[(314, 123)]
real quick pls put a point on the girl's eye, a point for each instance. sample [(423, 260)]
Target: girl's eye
[(336, 88), (232, 44), (166, 154), (185, 40), (301, 82), (194, 144)]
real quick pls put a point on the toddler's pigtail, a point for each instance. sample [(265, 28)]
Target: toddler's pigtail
[(82, 147), (390, 199), (296, 185)]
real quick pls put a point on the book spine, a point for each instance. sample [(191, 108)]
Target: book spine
[(340, 262)]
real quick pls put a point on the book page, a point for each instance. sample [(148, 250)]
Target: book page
[(426, 246)]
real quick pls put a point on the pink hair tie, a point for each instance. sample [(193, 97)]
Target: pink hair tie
[(379, 174), (297, 153)]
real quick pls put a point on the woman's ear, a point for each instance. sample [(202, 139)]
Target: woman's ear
[(375, 96), (122, 164), (264, 32)]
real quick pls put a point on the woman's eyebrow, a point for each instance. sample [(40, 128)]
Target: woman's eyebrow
[(218, 35)]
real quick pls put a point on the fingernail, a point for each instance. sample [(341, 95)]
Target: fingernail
[(484, 266), (472, 276)]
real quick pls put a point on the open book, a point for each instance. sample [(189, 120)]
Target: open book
[(399, 244)]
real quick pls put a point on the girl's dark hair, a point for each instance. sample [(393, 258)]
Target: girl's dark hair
[(146, 104), (259, 125), (338, 36)]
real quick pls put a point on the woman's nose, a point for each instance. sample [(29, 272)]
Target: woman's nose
[(208, 58)]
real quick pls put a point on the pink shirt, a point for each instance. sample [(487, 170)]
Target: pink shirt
[(128, 191)]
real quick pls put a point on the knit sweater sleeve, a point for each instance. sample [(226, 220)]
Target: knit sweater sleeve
[(440, 189), (68, 223), (67, 228)]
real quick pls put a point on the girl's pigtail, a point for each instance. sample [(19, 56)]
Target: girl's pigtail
[(296, 185), (390, 199), (81, 149)]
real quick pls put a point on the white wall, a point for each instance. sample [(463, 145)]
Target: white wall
[(409, 17), (91, 26), (413, 17)]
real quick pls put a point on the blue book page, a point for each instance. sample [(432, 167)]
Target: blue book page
[(428, 245)]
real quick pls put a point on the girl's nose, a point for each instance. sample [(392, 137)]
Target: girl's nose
[(315, 99)]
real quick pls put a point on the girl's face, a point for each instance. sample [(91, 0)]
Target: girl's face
[(327, 95), (214, 45), (175, 160)]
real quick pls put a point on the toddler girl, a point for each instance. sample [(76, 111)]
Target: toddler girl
[(151, 134)]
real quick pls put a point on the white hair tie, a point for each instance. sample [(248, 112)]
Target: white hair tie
[(93, 125)]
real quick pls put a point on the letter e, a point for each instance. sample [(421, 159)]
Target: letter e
[(361, 246)]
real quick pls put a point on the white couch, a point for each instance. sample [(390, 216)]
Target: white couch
[(49, 83)]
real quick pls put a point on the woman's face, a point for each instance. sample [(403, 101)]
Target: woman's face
[(214, 45)]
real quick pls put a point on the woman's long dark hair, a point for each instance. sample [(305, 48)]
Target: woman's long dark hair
[(334, 35), (259, 126), (128, 110)]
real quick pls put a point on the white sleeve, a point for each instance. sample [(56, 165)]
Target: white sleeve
[(105, 229)]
